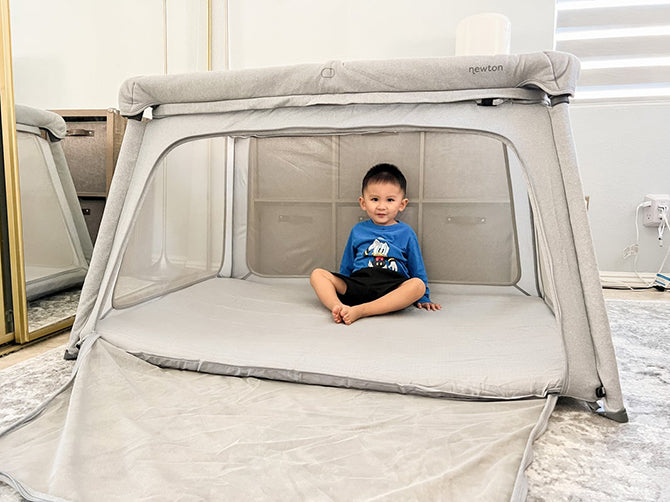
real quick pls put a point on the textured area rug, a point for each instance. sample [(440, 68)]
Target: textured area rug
[(581, 456), (584, 457)]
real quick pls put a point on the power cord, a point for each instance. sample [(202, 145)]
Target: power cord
[(661, 229), (663, 226), (664, 223), (633, 249)]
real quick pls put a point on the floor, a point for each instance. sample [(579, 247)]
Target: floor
[(629, 461), (61, 339), (34, 349), (652, 295)]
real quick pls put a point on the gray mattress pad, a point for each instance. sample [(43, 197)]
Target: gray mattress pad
[(485, 343)]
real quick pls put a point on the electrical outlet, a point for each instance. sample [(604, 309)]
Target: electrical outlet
[(630, 251), (653, 214)]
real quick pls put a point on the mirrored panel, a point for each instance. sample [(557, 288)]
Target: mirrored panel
[(56, 244), (65, 166)]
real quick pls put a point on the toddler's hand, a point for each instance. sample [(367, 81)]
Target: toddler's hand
[(429, 306)]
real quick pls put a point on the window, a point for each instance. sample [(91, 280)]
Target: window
[(623, 45)]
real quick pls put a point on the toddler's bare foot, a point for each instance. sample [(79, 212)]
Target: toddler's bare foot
[(350, 314), (337, 316)]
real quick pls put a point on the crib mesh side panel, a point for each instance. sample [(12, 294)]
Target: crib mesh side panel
[(303, 200), (49, 249), (177, 236)]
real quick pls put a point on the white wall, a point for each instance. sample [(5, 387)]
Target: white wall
[(272, 32), (623, 149), (624, 154), (76, 54)]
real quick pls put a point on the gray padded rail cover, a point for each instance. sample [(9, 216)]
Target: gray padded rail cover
[(42, 119), (553, 72)]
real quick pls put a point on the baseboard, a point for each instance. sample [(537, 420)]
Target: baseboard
[(626, 279)]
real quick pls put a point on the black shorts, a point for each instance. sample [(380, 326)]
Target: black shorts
[(368, 284)]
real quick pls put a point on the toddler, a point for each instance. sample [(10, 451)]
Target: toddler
[(382, 269)]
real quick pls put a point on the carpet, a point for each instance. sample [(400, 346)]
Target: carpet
[(581, 456), (584, 457)]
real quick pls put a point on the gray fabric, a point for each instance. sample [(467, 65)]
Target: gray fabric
[(486, 342), (526, 129), (43, 119), (54, 248), (596, 314), (55, 124), (552, 219), (158, 434), (458, 185), (534, 153), (524, 95), (42, 281), (521, 486), (479, 346), (106, 233), (553, 72)]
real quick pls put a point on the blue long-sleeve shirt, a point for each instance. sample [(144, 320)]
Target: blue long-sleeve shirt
[(394, 247)]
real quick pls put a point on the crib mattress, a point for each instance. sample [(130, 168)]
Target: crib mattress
[(483, 344)]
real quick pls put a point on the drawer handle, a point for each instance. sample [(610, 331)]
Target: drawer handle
[(80, 132)]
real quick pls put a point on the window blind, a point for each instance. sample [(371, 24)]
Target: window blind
[(623, 46)]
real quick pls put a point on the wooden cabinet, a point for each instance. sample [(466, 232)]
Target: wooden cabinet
[(91, 148)]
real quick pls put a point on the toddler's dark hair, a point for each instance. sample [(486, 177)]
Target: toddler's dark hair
[(385, 173)]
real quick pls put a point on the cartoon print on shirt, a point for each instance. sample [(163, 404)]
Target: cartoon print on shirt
[(379, 250)]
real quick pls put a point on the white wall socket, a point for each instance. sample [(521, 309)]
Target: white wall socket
[(652, 215)]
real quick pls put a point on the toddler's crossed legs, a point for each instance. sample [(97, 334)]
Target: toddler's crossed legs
[(327, 286)]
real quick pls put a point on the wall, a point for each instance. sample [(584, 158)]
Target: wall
[(624, 154), (271, 32), (76, 54), (622, 148)]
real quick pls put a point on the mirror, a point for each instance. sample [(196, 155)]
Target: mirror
[(52, 251), (57, 246), (65, 174)]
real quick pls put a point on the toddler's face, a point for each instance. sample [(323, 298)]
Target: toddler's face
[(382, 202)]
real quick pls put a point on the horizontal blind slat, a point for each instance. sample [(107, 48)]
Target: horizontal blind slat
[(627, 92), (647, 15), (625, 76), (624, 49), (620, 47)]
